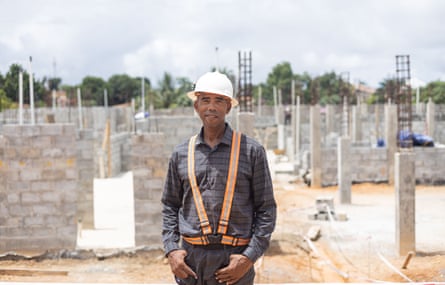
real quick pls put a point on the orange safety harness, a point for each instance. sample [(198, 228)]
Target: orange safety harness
[(220, 237)]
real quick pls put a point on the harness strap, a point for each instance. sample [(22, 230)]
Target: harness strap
[(230, 185), (228, 195), (202, 214), (227, 240)]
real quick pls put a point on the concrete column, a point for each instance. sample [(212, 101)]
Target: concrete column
[(281, 128), (315, 141), (246, 121), (297, 128), (330, 118), (405, 184), (391, 138), (292, 140), (344, 172), (280, 137), (430, 113), (356, 124)]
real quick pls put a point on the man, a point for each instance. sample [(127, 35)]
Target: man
[(218, 196)]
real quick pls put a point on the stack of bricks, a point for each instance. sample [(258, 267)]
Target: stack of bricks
[(39, 181)]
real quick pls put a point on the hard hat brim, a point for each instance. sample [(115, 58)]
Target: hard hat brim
[(192, 95)]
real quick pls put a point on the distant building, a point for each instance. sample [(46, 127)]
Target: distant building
[(61, 98), (363, 92)]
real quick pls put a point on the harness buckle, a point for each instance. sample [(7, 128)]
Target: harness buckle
[(214, 238)]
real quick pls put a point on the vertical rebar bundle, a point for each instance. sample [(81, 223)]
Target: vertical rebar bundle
[(403, 101), (245, 81)]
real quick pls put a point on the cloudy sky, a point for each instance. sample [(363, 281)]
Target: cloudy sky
[(76, 38)]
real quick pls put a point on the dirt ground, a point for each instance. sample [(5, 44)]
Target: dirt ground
[(292, 257)]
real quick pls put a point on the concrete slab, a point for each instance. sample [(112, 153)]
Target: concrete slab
[(113, 215)]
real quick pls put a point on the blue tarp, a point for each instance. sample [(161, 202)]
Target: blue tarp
[(417, 139)]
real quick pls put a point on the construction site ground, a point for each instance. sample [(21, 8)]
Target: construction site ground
[(359, 249)]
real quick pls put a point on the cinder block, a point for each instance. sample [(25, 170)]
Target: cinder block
[(30, 174), (51, 130), (30, 198)]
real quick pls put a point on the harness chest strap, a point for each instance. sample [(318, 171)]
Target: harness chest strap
[(228, 197)]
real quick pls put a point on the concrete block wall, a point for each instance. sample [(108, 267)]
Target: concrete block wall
[(148, 160), (366, 165), (175, 128), (371, 165), (430, 165), (95, 118), (38, 198)]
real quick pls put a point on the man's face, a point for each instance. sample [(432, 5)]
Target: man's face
[(212, 108)]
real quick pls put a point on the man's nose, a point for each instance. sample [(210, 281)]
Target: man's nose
[(212, 105)]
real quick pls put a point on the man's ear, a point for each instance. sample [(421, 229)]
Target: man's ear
[(195, 104), (229, 107)]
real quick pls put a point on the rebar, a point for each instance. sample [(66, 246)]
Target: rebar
[(245, 81), (403, 101)]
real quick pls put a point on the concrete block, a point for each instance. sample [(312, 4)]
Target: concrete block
[(53, 174), (52, 153), (42, 142), (29, 198), (51, 130), (30, 174), (50, 197), (12, 198), (29, 152), (44, 209), (33, 221), (17, 210), (42, 185)]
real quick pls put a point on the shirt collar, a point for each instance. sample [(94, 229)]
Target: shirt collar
[(227, 138)]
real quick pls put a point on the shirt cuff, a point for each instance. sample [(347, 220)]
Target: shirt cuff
[(251, 254), (169, 247)]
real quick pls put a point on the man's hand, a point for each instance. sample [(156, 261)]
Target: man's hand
[(180, 269), (237, 268)]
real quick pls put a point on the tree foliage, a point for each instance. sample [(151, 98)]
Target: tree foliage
[(123, 88), (434, 90), (171, 92), (93, 90)]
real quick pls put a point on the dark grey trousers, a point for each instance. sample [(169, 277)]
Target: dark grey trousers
[(205, 262)]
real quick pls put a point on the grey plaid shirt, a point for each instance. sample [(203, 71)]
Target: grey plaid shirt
[(253, 212)]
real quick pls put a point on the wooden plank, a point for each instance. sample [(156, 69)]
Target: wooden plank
[(32, 272)]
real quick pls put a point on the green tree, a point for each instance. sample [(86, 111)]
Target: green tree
[(302, 84), (93, 90), (11, 83), (11, 86), (385, 92), (54, 83), (167, 92), (122, 88), (329, 89), (185, 86), (148, 93), (280, 77), (434, 90)]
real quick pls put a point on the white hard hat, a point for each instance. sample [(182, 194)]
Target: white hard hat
[(216, 83)]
